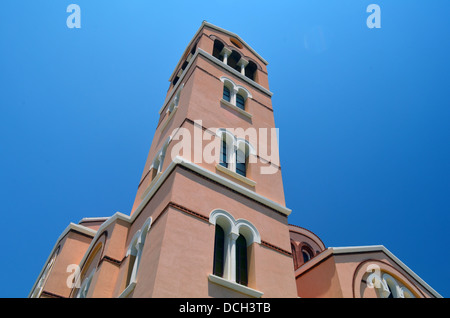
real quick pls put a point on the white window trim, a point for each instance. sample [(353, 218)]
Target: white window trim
[(172, 108), (233, 144), (136, 248), (157, 164), (235, 108), (232, 228), (234, 90), (235, 175)]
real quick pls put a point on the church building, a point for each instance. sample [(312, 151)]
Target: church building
[(209, 218)]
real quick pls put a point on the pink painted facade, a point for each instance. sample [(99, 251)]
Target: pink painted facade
[(170, 244)]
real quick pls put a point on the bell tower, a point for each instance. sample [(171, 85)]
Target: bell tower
[(214, 161)]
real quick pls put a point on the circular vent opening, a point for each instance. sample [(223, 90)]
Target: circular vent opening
[(236, 42)]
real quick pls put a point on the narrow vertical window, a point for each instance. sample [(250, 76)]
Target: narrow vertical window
[(241, 261), (241, 167), (306, 255), (226, 94), (130, 269), (219, 250), (223, 153), (240, 101), (217, 48)]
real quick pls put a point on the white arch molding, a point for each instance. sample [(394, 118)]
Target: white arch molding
[(232, 229)]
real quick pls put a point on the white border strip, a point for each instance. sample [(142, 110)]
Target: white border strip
[(215, 177)]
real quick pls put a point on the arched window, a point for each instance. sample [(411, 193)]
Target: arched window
[(234, 154), (134, 253), (226, 94), (173, 105), (158, 161), (156, 167), (393, 286), (241, 261), (226, 149), (387, 286), (219, 251), (243, 150), (233, 60), (217, 49), (241, 162), (235, 95), (306, 255), (224, 153), (250, 70), (232, 240), (175, 80), (240, 101)]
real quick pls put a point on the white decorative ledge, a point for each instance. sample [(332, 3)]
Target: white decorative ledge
[(214, 177), (155, 179), (236, 175), (235, 286), (235, 108)]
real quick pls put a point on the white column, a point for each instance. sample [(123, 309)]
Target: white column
[(225, 58), (242, 63), (230, 268), (226, 53), (231, 154), (233, 93)]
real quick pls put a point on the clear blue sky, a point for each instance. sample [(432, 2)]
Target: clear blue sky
[(363, 116)]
